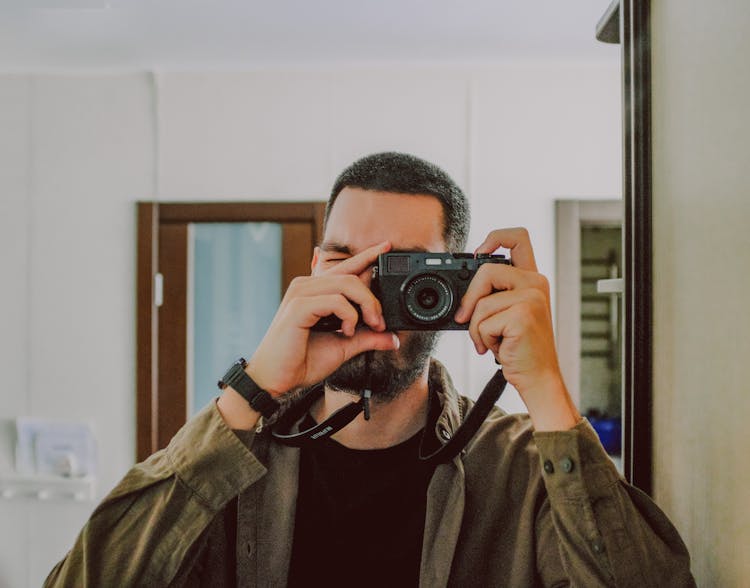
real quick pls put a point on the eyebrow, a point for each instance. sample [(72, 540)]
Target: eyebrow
[(336, 247)]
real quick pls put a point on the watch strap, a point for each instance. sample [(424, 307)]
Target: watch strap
[(256, 397)]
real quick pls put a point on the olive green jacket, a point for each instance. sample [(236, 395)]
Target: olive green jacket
[(516, 508)]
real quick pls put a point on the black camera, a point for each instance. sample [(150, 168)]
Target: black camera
[(420, 291)]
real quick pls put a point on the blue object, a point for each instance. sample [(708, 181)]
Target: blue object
[(610, 433)]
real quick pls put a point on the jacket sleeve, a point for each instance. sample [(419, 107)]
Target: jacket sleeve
[(143, 531), (601, 530)]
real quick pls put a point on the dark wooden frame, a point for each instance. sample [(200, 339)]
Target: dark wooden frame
[(147, 325), (635, 35), (155, 426), (627, 22)]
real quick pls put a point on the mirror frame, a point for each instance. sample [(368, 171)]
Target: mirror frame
[(635, 39), (627, 22)]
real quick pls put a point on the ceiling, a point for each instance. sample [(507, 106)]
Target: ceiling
[(98, 34)]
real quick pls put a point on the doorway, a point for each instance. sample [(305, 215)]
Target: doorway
[(210, 277), (589, 312)]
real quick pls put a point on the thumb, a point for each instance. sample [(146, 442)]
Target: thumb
[(366, 340)]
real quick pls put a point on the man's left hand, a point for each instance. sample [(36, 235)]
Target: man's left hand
[(508, 309)]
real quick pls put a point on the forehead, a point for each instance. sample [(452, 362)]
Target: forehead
[(360, 218)]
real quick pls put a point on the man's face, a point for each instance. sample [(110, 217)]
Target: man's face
[(361, 218)]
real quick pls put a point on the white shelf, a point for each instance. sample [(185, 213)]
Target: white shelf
[(37, 487), (612, 286)]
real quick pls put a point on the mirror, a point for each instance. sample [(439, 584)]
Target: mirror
[(517, 101)]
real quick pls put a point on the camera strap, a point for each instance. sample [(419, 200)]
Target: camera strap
[(492, 391), (333, 424), (281, 431)]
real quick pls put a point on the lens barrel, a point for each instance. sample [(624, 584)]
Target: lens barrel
[(427, 298)]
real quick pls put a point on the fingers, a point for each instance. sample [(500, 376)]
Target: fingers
[(366, 340), (360, 262), (305, 312), (349, 286), (493, 315), (517, 240), (494, 277), (345, 278)]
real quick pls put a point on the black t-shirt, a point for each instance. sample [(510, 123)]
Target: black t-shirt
[(360, 515)]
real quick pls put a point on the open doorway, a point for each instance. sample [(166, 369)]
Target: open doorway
[(590, 314)]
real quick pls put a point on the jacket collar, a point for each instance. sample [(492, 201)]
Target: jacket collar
[(451, 413)]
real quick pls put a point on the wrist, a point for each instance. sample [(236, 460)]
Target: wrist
[(550, 406), (265, 381), (235, 410), (242, 384)]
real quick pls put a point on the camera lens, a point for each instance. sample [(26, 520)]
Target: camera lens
[(427, 298)]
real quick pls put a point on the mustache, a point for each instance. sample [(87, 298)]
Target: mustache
[(386, 373)]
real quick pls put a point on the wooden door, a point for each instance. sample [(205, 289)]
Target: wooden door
[(163, 305)]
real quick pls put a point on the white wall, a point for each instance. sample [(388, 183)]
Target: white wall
[(79, 151), (701, 182)]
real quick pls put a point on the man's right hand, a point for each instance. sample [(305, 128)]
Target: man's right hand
[(291, 356)]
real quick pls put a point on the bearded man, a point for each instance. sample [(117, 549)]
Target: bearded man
[(531, 500)]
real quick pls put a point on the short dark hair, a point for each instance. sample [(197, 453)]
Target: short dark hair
[(406, 174)]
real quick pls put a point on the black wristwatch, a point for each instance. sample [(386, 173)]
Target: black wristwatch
[(256, 396)]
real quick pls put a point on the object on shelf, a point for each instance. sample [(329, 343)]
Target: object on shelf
[(56, 448), (46, 487)]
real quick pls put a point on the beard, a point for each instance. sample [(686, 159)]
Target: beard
[(386, 373)]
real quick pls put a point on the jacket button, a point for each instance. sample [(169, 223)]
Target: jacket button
[(445, 434), (548, 467), (597, 545), (566, 464)]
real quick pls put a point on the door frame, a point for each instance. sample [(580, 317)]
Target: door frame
[(160, 410), (570, 215)]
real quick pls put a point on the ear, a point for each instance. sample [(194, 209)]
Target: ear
[(314, 261)]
